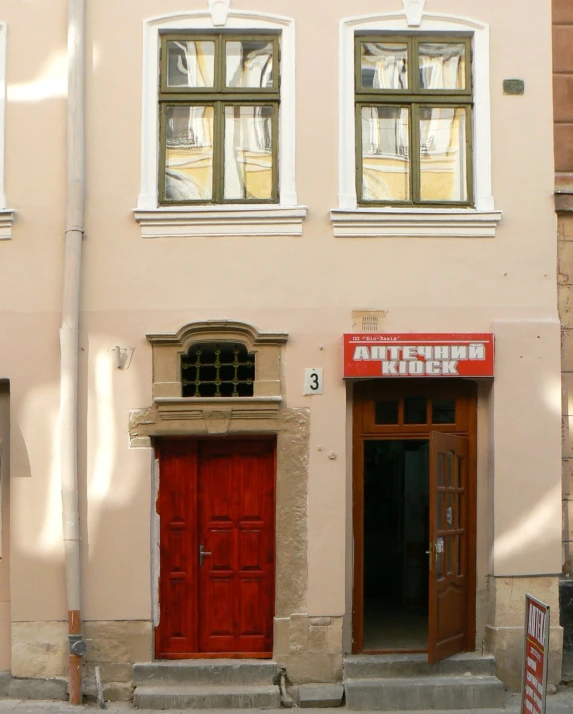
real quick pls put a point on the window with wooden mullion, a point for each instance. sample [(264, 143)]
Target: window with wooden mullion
[(413, 119), (219, 101)]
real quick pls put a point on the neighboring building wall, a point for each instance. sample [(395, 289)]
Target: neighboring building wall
[(5, 640), (563, 116)]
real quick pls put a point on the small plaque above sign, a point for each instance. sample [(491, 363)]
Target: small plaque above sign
[(418, 355)]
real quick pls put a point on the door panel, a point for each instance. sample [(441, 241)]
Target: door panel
[(448, 596), (216, 497), (176, 504), (236, 582)]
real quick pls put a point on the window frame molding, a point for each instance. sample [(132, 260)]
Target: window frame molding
[(350, 220), (282, 218), (6, 214)]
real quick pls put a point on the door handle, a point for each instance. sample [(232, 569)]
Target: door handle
[(431, 553), (202, 554)]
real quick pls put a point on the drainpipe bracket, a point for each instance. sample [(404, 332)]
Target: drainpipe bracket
[(76, 645)]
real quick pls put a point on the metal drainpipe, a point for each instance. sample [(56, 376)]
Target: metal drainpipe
[(69, 337)]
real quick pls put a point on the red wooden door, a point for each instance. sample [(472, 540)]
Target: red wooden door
[(216, 509), (236, 581), (449, 569)]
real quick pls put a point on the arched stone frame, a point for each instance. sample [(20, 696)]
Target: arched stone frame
[(264, 413)]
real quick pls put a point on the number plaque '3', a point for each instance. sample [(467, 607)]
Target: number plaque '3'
[(312, 380)]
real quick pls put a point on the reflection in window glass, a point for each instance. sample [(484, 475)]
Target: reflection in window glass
[(190, 64), (386, 412), (450, 509), (442, 65), (248, 152), (385, 154), (443, 411), (249, 63), (415, 410), (443, 172), (189, 153), (384, 65)]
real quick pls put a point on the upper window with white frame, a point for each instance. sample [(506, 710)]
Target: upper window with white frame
[(413, 103), (219, 118)]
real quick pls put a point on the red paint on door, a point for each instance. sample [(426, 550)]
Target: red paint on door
[(216, 507)]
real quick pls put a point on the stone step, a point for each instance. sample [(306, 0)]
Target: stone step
[(435, 692), (416, 665), (207, 697), (205, 671)]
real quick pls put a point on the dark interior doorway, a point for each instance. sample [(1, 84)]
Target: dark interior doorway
[(396, 537)]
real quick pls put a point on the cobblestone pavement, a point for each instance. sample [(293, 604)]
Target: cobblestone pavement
[(556, 704)]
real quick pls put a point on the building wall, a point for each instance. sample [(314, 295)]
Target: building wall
[(306, 286)]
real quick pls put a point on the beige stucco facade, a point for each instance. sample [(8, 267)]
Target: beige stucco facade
[(305, 286)]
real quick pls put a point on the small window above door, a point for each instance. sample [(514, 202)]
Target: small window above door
[(414, 407)]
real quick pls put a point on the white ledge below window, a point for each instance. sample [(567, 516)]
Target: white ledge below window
[(189, 222), (414, 222), (6, 221)]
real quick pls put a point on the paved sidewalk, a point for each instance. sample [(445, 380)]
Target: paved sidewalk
[(559, 703)]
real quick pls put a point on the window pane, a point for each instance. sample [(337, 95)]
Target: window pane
[(189, 153), (386, 412), (384, 65), (442, 65), (415, 410), (449, 467), (249, 64), (248, 152), (190, 64), (443, 154), (385, 154), (443, 411)]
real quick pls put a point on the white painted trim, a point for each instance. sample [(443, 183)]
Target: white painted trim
[(482, 121), (6, 221), (414, 10), (267, 220), (239, 20), (154, 544), (414, 223), (6, 214), (219, 10), (3, 34)]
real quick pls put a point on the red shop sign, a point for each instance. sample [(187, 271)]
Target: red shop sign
[(536, 651), (418, 355)]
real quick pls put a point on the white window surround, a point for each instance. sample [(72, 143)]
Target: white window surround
[(348, 219), (157, 221), (6, 214)]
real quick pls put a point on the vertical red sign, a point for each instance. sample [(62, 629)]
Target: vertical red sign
[(535, 655)]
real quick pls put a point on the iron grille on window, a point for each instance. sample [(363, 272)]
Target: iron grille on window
[(218, 369)]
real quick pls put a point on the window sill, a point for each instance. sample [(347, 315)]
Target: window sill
[(414, 222), (216, 221), (177, 408), (6, 221)]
